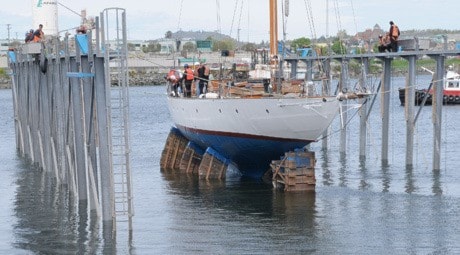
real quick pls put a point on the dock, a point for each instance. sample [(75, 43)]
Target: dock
[(71, 122)]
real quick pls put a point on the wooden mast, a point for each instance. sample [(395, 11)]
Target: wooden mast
[(273, 28)]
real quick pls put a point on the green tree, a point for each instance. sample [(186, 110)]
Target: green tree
[(131, 47), (249, 47), (342, 34), (226, 44), (189, 47), (302, 42), (151, 47), (338, 47)]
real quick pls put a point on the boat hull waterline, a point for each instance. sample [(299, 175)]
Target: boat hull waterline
[(252, 132)]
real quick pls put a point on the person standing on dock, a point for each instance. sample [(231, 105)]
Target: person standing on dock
[(394, 35), (188, 79), (38, 34), (29, 36), (203, 77), (384, 43)]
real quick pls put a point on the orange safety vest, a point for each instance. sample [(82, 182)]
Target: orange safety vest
[(189, 74), (171, 76)]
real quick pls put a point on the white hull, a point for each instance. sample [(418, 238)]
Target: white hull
[(291, 118), (251, 132)]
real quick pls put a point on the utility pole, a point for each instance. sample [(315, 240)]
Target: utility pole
[(8, 27)]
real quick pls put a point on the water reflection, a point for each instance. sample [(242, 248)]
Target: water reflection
[(363, 184), (343, 170), (255, 214), (48, 222), (437, 190), (327, 175), (409, 187), (386, 180)]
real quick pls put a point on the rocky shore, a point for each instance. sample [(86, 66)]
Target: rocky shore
[(137, 79), (5, 83)]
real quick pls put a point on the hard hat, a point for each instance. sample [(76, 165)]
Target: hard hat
[(197, 63), (186, 65)]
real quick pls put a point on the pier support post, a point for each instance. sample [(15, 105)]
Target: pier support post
[(437, 111), (326, 91), (363, 110), (409, 111), (102, 94), (294, 66), (343, 87), (386, 109), (309, 71), (78, 106)]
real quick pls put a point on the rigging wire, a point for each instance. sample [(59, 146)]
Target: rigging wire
[(354, 17), (310, 18), (180, 15), (249, 20), (219, 28), (74, 12), (339, 24), (233, 18), (285, 10), (239, 20)]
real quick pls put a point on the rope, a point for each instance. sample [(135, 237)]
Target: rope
[(346, 123)]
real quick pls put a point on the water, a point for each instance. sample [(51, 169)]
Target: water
[(358, 207)]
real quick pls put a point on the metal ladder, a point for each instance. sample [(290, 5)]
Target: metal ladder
[(115, 35)]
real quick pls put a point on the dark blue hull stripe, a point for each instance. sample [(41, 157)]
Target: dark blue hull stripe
[(251, 154)]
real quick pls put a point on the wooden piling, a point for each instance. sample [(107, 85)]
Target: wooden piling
[(191, 159), (173, 150), (212, 166), (295, 171)]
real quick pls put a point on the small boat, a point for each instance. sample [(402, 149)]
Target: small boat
[(252, 127), (451, 91)]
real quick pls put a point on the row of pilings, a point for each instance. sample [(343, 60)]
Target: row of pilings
[(64, 111), (383, 90), (294, 172)]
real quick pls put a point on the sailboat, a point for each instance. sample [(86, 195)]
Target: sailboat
[(251, 131)]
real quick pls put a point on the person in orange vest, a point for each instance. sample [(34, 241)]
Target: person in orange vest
[(173, 77), (394, 35), (188, 79), (38, 34)]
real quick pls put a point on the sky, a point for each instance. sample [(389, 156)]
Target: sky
[(244, 19)]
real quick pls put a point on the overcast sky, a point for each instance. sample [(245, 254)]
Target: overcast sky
[(150, 19)]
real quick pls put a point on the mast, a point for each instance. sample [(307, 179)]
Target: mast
[(273, 28)]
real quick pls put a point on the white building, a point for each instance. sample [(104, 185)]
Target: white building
[(45, 12)]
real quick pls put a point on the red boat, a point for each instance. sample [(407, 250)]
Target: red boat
[(451, 92)]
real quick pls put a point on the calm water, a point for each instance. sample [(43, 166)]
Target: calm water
[(358, 207)]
